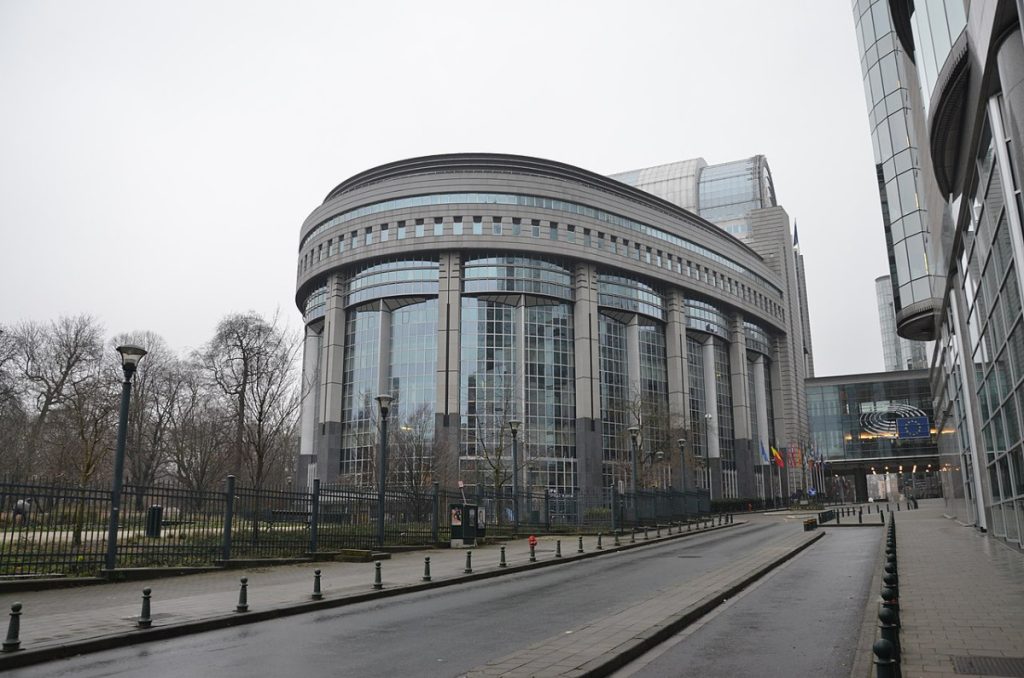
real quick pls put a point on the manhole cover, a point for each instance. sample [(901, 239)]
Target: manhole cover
[(1007, 667)]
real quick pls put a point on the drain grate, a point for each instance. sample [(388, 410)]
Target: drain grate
[(1006, 667)]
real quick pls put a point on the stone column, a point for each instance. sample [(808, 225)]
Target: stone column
[(678, 391), (743, 446), (587, 361), (309, 394), (332, 358), (447, 385), (711, 404)]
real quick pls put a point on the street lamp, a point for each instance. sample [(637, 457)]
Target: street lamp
[(682, 459), (634, 435), (513, 426), (130, 357), (384, 403)]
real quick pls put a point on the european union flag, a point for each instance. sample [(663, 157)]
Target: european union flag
[(913, 427)]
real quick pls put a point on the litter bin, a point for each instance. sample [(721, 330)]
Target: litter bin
[(462, 520), (154, 517)]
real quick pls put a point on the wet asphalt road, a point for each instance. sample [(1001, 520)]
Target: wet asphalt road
[(445, 632), (802, 620)]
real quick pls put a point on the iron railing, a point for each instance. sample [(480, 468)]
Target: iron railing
[(60, 529)]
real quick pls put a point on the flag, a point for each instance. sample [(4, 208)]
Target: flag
[(764, 455), (778, 457)]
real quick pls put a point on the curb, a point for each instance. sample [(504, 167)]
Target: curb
[(26, 657)]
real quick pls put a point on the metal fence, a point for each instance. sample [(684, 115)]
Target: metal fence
[(58, 529)]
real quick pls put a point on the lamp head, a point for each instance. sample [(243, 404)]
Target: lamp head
[(130, 357), (384, 402), (682, 444), (513, 425), (634, 432)]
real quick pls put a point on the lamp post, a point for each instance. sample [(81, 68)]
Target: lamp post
[(130, 357), (682, 459), (384, 403), (513, 426)]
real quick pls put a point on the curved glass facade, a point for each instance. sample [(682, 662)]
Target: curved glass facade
[(936, 25), (517, 274), (728, 192), (888, 77), (393, 279), (615, 401), (706, 317), (629, 294)]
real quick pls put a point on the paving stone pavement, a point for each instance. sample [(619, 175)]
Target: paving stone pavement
[(961, 593)]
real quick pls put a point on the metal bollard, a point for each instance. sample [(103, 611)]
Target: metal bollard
[(13, 630), (317, 595), (469, 563), (687, 525), (533, 553), (888, 630), (378, 584), (579, 548), (885, 665), (657, 530), (617, 542), (898, 507), (839, 518), (599, 547), (881, 516), (426, 566), (889, 601), (145, 620), (891, 581), (558, 548), (646, 535), (243, 596), (632, 536), (860, 516), (501, 561)]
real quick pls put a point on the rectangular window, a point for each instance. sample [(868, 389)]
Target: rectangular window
[(384, 233), (457, 226), (478, 226), (330, 247), (369, 235), (438, 226), (570, 233), (319, 252), (553, 230), (496, 225), (355, 239), (341, 244), (419, 228), (516, 226), (536, 228)]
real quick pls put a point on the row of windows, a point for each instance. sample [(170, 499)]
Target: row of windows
[(534, 202), (550, 230)]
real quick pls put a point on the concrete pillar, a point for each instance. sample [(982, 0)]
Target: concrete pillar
[(309, 393), (711, 404), (743, 447), (678, 391), (587, 361), (761, 413), (448, 384), (332, 357)]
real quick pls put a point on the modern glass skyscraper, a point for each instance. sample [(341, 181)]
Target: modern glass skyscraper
[(943, 80), (897, 352)]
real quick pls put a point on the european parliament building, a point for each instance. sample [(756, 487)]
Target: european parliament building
[(943, 80), (483, 289)]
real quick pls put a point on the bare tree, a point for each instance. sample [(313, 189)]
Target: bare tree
[(13, 417), (156, 386), (53, 360), (198, 440), (253, 363)]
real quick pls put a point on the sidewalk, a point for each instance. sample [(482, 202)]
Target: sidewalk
[(62, 622), (961, 600)]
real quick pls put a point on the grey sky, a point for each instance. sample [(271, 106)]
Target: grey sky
[(157, 159)]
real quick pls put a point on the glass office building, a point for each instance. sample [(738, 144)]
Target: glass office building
[(871, 424), (958, 75), (480, 289)]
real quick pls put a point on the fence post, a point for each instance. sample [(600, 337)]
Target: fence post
[(435, 513), (547, 511), (314, 517), (229, 515)]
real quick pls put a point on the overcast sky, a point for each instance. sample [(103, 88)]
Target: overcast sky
[(158, 159)]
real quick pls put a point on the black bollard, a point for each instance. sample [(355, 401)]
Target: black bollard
[(839, 518), (13, 630), (579, 548), (885, 665), (469, 563), (378, 583), (860, 516), (426, 566), (599, 547), (881, 516), (889, 601), (243, 596), (687, 525), (891, 581), (888, 630), (632, 536), (317, 595), (501, 561), (145, 620), (533, 553), (898, 506), (558, 548)]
